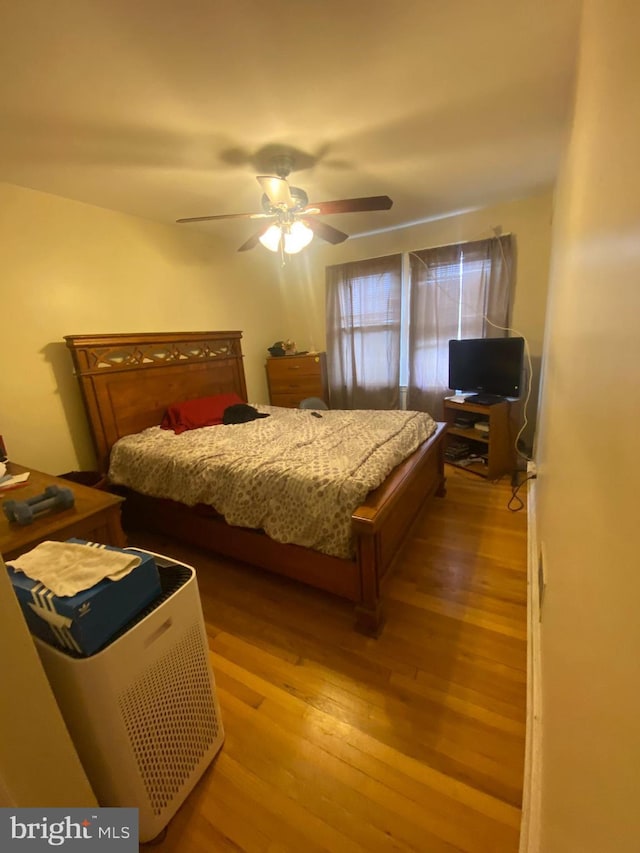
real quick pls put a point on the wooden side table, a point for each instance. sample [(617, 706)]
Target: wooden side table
[(95, 516), (496, 447)]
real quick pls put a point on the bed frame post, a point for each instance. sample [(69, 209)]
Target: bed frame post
[(441, 490), (369, 612)]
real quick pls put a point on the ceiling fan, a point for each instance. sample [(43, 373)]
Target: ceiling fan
[(289, 220)]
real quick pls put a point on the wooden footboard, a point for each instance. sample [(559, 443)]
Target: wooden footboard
[(384, 522)]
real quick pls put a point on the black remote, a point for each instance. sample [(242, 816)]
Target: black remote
[(316, 415)]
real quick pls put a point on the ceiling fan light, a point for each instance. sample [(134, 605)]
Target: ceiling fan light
[(298, 236), (271, 238)]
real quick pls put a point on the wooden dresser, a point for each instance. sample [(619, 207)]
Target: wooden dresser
[(292, 378)]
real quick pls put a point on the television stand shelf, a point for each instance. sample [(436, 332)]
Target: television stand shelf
[(485, 444)]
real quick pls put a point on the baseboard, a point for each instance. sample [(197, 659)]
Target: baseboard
[(531, 793)]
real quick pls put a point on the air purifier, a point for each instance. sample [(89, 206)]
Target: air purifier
[(143, 712)]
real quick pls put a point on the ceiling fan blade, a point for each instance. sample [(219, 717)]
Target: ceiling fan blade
[(252, 242), (277, 190), (353, 205), (225, 216), (325, 232)]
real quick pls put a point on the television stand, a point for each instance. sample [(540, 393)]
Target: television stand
[(481, 437), (485, 399)]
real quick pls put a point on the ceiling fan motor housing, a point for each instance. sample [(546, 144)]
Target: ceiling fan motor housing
[(299, 196)]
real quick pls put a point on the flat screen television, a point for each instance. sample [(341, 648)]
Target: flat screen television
[(488, 367)]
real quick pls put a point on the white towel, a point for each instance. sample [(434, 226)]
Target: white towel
[(67, 568)]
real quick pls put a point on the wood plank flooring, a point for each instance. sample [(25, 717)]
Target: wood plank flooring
[(338, 742)]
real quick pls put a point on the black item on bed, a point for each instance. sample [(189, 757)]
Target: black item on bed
[(241, 413)]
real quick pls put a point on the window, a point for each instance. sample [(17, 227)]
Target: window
[(381, 335)]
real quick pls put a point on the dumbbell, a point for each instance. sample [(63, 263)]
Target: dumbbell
[(52, 499)]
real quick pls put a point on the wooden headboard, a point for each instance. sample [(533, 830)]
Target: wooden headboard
[(128, 380)]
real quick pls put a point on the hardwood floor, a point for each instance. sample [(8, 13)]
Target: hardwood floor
[(334, 741)]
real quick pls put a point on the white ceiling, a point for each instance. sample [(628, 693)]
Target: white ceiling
[(169, 108)]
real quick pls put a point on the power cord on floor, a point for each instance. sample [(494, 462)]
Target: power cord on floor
[(515, 503)]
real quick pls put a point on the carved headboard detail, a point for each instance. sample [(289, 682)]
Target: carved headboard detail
[(128, 380), (98, 357)]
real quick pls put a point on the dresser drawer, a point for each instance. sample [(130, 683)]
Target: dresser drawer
[(307, 386), (291, 366), (288, 400)]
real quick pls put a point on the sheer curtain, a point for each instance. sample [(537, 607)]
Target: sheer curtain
[(452, 290), (363, 333)]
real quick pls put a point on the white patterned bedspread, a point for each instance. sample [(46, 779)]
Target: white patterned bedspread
[(297, 477)]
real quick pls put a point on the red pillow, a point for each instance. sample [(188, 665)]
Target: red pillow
[(201, 412)]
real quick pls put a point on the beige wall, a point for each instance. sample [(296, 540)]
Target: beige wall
[(70, 268), (303, 279), (588, 461)]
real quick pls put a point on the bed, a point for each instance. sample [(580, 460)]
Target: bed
[(128, 381)]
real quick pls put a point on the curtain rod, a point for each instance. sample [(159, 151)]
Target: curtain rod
[(427, 248), (461, 242)]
